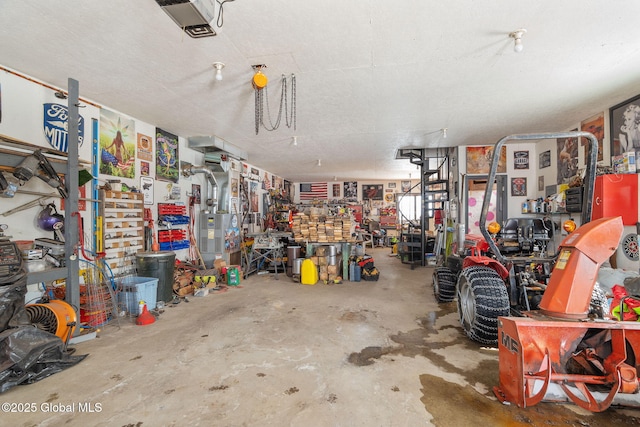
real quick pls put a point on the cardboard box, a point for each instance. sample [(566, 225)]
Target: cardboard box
[(219, 263)]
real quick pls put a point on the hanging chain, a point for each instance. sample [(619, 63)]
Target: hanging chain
[(262, 99), (291, 121), (266, 98), (258, 108)]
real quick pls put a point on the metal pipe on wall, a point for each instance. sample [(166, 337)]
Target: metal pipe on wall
[(212, 199)]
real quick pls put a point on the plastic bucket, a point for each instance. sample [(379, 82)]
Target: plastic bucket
[(159, 265)]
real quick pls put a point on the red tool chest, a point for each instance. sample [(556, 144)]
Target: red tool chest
[(616, 195)]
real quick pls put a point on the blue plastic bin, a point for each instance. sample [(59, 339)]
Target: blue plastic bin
[(134, 289)]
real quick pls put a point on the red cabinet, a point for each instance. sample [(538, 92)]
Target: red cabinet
[(616, 195)]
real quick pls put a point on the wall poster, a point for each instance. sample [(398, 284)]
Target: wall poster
[(167, 156), (624, 120), (595, 125), (544, 159), (145, 147), (519, 186), (351, 191), (521, 160), (146, 184), (479, 160), (336, 190), (144, 168), (372, 191), (567, 159), (196, 193), (117, 144)]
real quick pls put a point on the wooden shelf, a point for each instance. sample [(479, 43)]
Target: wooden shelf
[(123, 229)]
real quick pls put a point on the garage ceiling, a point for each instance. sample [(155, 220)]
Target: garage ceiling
[(372, 76)]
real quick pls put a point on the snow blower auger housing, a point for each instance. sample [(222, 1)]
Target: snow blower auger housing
[(558, 353)]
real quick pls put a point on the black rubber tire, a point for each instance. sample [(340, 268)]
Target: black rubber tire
[(444, 284), (482, 298)]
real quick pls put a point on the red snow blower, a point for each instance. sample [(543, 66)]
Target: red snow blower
[(559, 353)]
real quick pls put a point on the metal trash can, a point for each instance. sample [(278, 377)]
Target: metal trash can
[(293, 252), (297, 264), (160, 266)]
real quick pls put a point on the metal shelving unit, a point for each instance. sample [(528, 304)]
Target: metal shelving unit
[(70, 169)]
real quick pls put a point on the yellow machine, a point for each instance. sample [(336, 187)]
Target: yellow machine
[(56, 317)]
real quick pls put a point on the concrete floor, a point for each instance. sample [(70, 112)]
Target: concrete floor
[(276, 353)]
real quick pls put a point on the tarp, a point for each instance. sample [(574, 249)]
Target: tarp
[(27, 354)]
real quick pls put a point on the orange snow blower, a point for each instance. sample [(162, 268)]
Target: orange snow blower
[(560, 353)]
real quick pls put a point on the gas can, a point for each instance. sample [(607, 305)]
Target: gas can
[(309, 273)]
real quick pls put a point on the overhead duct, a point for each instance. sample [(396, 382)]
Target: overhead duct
[(214, 144), (193, 16)]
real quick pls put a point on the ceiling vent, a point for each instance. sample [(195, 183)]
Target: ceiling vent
[(193, 16)]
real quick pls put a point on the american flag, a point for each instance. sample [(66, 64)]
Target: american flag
[(313, 190)]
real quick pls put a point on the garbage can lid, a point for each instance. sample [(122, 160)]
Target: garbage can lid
[(160, 254)]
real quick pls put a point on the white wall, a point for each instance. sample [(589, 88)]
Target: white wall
[(22, 119)]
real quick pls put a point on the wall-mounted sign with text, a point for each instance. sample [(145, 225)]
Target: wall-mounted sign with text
[(56, 127)]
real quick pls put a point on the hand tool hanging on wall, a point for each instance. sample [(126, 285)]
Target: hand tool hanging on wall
[(38, 165), (24, 206)]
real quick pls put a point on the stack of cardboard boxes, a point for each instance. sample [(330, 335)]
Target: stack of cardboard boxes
[(326, 260)]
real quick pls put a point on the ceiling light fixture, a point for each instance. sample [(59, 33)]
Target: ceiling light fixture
[(444, 133), (319, 163), (294, 141), (517, 36), (218, 66)]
